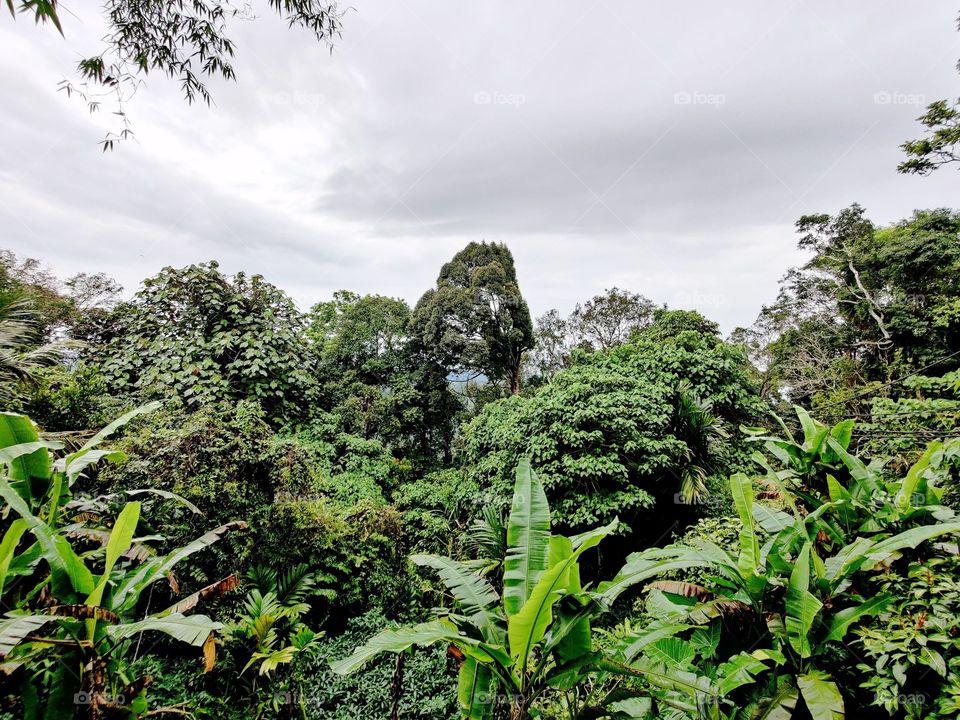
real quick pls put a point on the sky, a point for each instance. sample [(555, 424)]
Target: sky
[(663, 148)]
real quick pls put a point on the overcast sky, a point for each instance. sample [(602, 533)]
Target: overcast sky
[(663, 148)]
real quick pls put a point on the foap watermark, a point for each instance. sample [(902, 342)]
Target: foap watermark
[(483, 97), (696, 97), (699, 299), (892, 97), (311, 101), (710, 501), (85, 698)]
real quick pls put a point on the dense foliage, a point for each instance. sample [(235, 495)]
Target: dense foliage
[(305, 490)]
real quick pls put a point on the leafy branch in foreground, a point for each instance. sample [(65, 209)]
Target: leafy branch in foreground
[(186, 41)]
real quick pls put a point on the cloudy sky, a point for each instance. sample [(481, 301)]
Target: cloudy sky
[(663, 148)]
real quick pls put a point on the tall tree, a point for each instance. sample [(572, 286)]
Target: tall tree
[(476, 320), (608, 320)]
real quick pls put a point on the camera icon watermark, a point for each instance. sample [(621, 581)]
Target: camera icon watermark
[(483, 97), (696, 97), (891, 97), (86, 698), (710, 501)]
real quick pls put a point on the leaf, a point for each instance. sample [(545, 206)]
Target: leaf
[(13, 630), (213, 590), (842, 620), (474, 690), (116, 425), (133, 583), (16, 430), (821, 695), (741, 487), (396, 640), (121, 536), (908, 539), (209, 653), (630, 645), (475, 595), (192, 629), (8, 546), (527, 627), (801, 605), (528, 539), (69, 574), (780, 706), (684, 589)]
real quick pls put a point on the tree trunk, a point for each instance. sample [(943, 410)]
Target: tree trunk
[(396, 691), (515, 379)]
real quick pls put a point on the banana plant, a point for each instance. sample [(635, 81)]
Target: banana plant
[(76, 612), (798, 593), (523, 642)]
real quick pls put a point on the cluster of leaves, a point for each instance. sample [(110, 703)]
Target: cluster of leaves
[(209, 339), (623, 429)]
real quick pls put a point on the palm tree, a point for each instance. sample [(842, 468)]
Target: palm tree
[(22, 348), (700, 428)]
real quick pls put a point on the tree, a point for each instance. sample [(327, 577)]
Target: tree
[(551, 351), (476, 320), (629, 432), (379, 380), (208, 338), (872, 304), (186, 41), (608, 320), (23, 351), (941, 146)]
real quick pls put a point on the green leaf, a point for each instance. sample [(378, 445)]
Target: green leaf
[(821, 695), (842, 620), (16, 430), (116, 425), (192, 629), (780, 706), (68, 573), (397, 640), (134, 582), (528, 539), (527, 627), (475, 595), (474, 690), (121, 537), (8, 546), (741, 487), (802, 606)]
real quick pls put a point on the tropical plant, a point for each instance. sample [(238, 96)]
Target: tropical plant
[(77, 612), (796, 586), (23, 352), (518, 646), (270, 624)]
